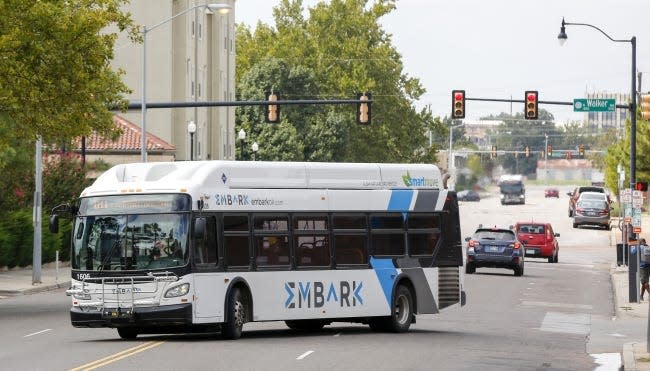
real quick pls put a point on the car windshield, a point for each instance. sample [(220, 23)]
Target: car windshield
[(592, 204), (153, 237), (494, 235), (531, 228)]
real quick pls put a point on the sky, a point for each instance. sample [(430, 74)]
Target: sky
[(498, 49)]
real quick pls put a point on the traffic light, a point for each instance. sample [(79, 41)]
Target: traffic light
[(645, 106), (272, 110), (458, 104), (527, 151), (641, 186), (549, 150), (364, 109), (531, 105), (494, 151), (581, 150)]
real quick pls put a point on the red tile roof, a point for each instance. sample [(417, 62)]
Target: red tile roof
[(129, 141)]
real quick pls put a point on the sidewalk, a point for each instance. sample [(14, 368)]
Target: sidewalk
[(18, 281)]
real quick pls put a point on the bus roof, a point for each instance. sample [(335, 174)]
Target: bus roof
[(186, 176)]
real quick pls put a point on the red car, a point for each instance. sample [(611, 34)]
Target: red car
[(539, 240), (551, 192)]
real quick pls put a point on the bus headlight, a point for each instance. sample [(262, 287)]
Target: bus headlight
[(177, 291)]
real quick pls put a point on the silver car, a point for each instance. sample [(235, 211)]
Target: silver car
[(592, 211)]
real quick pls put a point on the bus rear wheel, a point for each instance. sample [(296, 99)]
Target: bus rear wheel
[(127, 333), (236, 316), (401, 313)]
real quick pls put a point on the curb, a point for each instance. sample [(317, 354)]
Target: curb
[(35, 289)]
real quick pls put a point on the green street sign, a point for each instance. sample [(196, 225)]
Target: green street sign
[(594, 105)]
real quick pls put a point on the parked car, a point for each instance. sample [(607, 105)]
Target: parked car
[(592, 211), (468, 196), (494, 247), (539, 240), (551, 192), (573, 196)]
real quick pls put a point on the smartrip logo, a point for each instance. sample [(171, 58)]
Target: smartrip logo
[(418, 182), (313, 295)]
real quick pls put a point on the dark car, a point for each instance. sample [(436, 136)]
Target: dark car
[(551, 192), (468, 196), (539, 240), (573, 196), (494, 247)]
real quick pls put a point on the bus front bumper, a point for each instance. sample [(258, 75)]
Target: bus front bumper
[(167, 315)]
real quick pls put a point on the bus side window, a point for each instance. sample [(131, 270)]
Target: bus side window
[(205, 249), (236, 240)]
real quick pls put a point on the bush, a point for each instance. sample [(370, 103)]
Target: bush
[(17, 240)]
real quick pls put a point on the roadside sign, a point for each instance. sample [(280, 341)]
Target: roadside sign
[(594, 105)]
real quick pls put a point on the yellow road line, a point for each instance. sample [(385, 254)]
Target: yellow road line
[(118, 356)]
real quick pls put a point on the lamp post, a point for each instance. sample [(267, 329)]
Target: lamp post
[(562, 37), (242, 137), (191, 128), (254, 147), (221, 8)]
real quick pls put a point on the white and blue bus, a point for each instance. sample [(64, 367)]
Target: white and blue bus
[(184, 247)]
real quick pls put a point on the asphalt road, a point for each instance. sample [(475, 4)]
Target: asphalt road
[(557, 316)]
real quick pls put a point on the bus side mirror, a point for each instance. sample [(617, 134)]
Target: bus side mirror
[(199, 228), (54, 223)]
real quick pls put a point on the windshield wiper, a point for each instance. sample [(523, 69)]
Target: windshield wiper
[(109, 254)]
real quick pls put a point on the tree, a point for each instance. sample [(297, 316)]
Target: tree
[(55, 78), (350, 55), (619, 154)]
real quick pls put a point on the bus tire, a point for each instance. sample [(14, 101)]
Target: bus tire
[(127, 333), (402, 312), (305, 324), (236, 316)]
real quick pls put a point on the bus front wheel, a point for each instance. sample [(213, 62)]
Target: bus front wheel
[(236, 316)]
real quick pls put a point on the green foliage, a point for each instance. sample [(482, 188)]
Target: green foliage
[(17, 240), (63, 179), (619, 154), (319, 58), (55, 76)]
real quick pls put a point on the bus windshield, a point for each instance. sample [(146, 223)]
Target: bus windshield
[(131, 241), (515, 188)]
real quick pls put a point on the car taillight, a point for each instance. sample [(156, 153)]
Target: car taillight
[(515, 245), (603, 212), (472, 243), (580, 211)]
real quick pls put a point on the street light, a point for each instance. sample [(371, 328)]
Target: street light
[(221, 8), (254, 147), (242, 136), (191, 128), (562, 37)]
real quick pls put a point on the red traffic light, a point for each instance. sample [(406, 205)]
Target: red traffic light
[(458, 104), (641, 186), (531, 111)]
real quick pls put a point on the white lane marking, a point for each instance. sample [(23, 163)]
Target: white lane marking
[(578, 323), (337, 335), (39, 332), (558, 305), (304, 355), (607, 361)]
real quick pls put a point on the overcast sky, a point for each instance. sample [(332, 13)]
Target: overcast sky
[(500, 48)]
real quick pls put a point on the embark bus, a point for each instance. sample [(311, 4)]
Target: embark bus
[(210, 245)]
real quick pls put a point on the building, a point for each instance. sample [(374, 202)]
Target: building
[(599, 121), (190, 56), (125, 149)]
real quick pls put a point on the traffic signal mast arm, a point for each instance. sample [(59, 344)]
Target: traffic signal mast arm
[(626, 106), (133, 106)]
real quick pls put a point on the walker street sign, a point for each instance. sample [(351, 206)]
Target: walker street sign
[(594, 105)]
